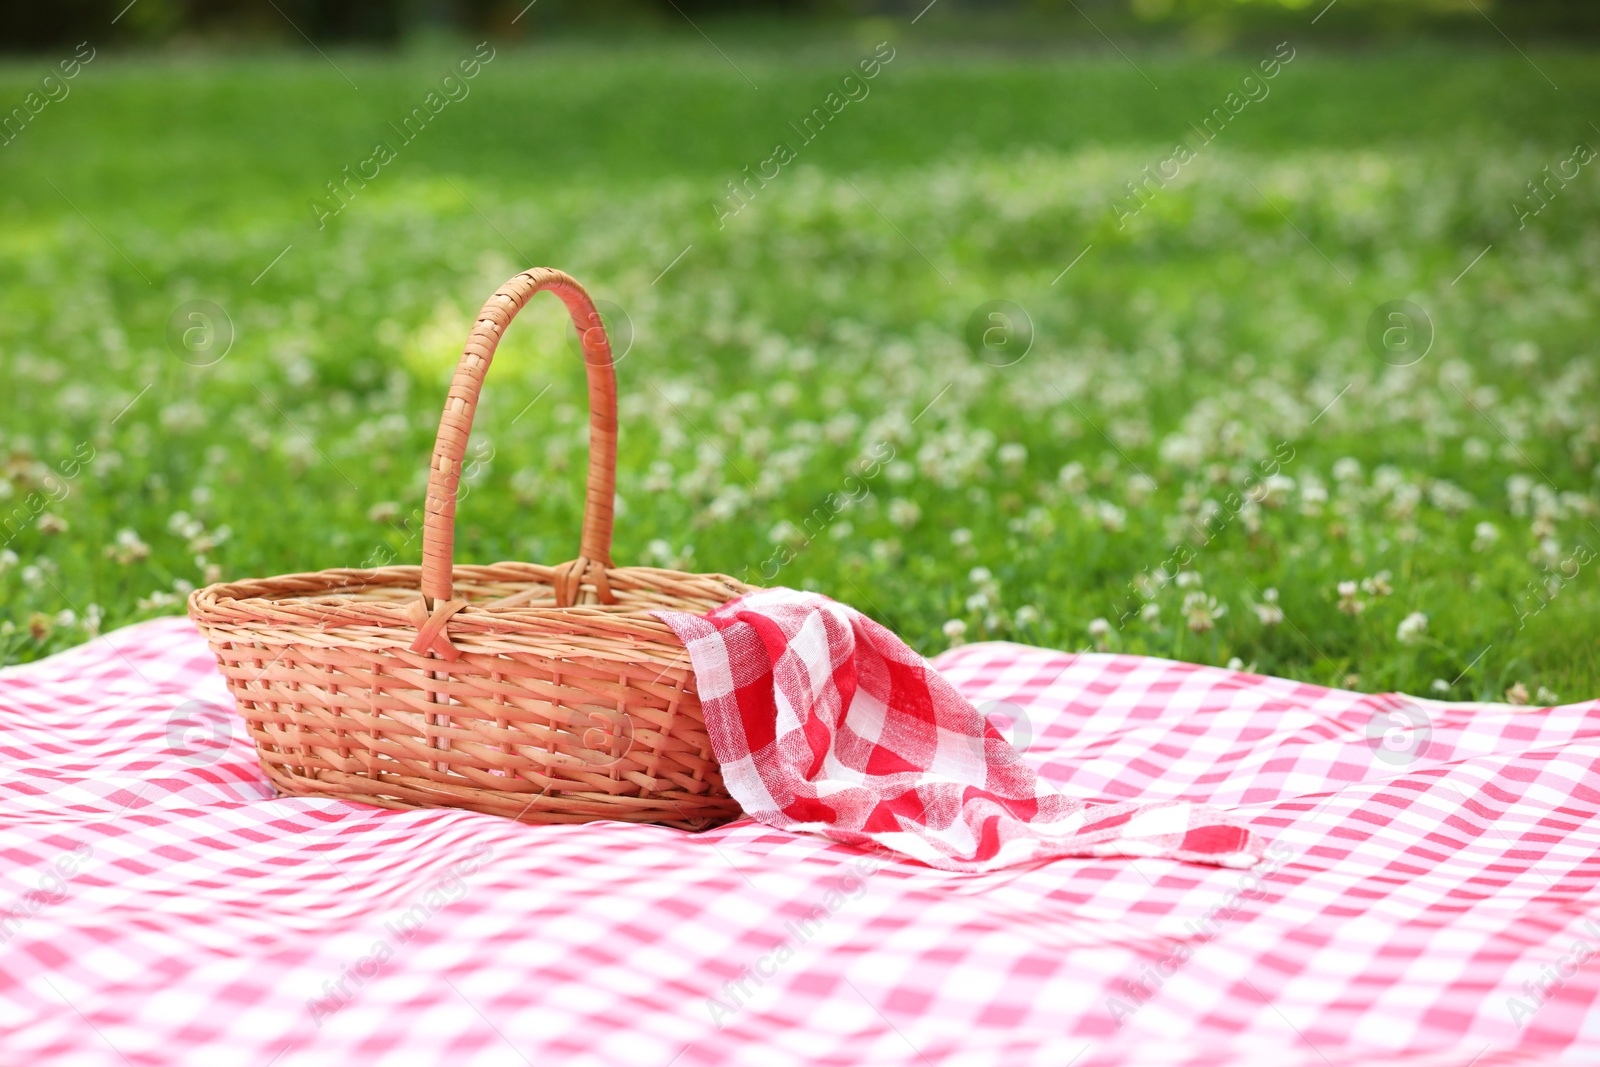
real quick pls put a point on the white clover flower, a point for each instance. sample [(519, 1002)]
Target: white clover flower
[(658, 480), (1150, 612), (1189, 579), (904, 513), (1518, 489), (1037, 522), (1313, 494), (1111, 517), (1250, 516), (1404, 503), (955, 630), (1347, 599), (1449, 497), (1545, 696), (961, 537), (1347, 469), (842, 427), (160, 599), (1140, 487), (1578, 504), (1387, 478), (51, 524), (1201, 611), (1072, 478), (1013, 455), (184, 525), (1275, 490), (1377, 585), (205, 543), (1484, 535), (785, 532), (1269, 613), (1100, 632), (32, 576), (1412, 628), (977, 602), (1027, 615), (127, 547), (1439, 685), (1547, 502), (980, 576), (728, 502), (1183, 451), (8, 559)]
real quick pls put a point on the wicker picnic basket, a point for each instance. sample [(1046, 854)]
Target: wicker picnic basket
[(546, 694)]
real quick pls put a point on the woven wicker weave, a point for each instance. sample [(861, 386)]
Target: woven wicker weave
[(546, 694)]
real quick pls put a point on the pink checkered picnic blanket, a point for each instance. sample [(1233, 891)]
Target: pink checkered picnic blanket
[(1429, 896), (824, 721)]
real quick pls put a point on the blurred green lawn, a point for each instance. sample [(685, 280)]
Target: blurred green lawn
[(827, 321)]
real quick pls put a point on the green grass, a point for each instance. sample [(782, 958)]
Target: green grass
[(827, 321)]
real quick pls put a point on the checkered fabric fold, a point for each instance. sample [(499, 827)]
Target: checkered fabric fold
[(825, 722)]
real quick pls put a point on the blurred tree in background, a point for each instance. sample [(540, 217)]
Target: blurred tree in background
[(29, 26)]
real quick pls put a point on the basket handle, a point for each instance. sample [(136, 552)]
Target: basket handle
[(444, 477)]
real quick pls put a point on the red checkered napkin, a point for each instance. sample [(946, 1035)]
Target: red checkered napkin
[(827, 723)]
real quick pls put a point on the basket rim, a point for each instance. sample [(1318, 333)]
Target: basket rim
[(320, 590)]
